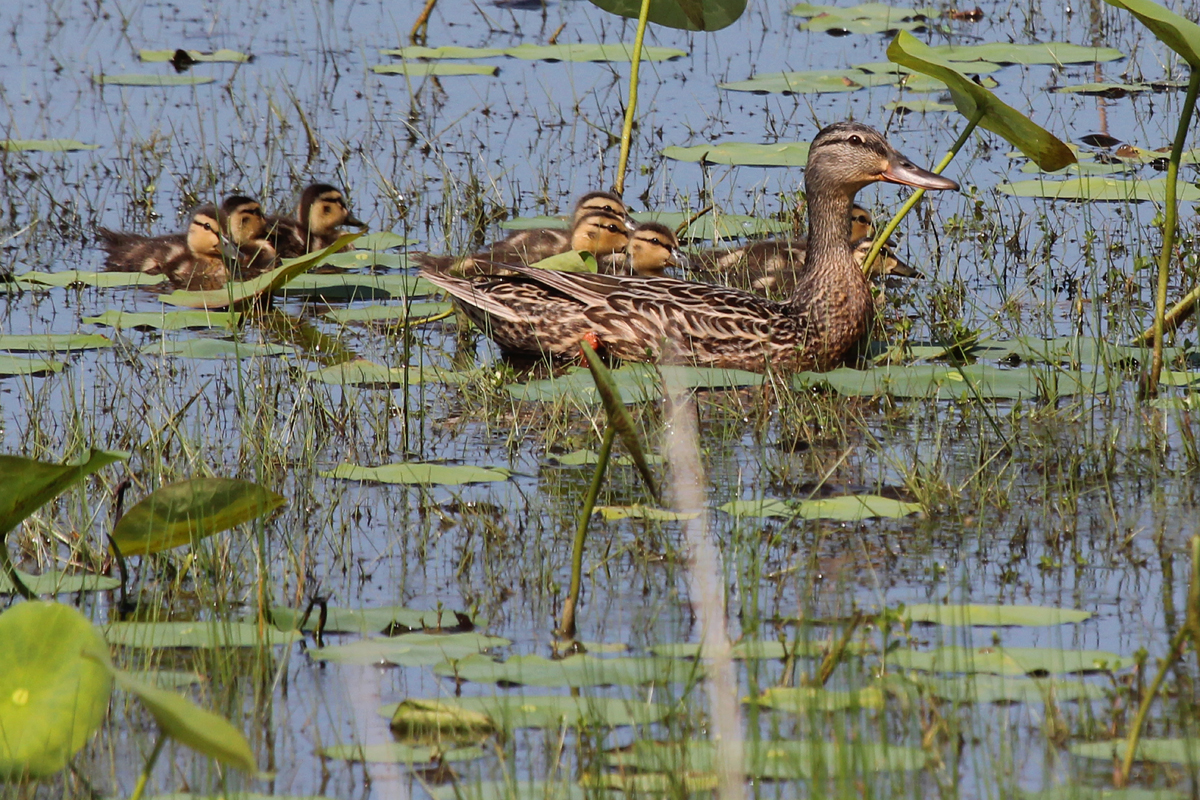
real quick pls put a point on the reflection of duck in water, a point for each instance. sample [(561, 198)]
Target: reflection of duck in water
[(599, 225), (317, 224), (654, 318)]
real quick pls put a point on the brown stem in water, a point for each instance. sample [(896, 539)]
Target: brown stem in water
[(420, 28)]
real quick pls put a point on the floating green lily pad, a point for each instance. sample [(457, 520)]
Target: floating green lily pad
[(396, 313), (748, 154), (1109, 90), (1101, 188), (643, 512), (993, 616), (587, 458), (1010, 689), (636, 382), (1076, 791), (1045, 53), (861, 18), (771, 760), (512, 711), (356, 287), (45, 145), (949, 383), (916, 106), (52, 697), (577, 670), (152, 80), (1163, 751), (446, 51), (53, 342), (1007, 660), (755, 649), (167, 320), (17, 365), (364, 259), (807, 699), (582, 52), (201, 634), (684, 15), (437, 69), (103, 280), (418, 473), (527, 790), (382, 240), (213, 348), (361, 372), (364, 621), (409, 650), (397, 753), (224, 55), (56, 582), (534, 223), (714, 225), (850, 508), (821, 81)]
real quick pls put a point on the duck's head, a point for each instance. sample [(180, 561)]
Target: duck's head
[(603, 203), (652, 248), (600, 234), (204, 232), (242, 219), (862, 224), (323, 210), (846, 156)]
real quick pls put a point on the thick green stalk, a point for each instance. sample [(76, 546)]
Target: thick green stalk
[(567, 628), (631, 106), (1168, 248), (10, 572), (149, 767), (887, 232)]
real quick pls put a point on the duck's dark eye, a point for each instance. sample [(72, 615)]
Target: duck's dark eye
[(855, 139)]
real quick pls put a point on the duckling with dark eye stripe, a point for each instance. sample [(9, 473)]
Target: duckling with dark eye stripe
[(598, 233), (317, 224), (652, 248), (243, 222)]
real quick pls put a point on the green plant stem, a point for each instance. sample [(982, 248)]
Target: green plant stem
[(146, 770), (1168, 248), (567, 628), (11, 573), (911, 203), (1174, 318), (631, 106)]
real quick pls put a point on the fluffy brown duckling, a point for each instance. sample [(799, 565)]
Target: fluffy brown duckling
[(780, 274), (652, 248), (245, 225), (318, 222), (596, 232)]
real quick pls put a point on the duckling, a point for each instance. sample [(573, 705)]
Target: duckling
[(596, 232), (528, 246), (317, 224), (131, 252), (652, 248), (243, 222), (200, 266), (783, 269)]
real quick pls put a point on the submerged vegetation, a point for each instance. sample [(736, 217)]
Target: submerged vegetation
[(309, 534)]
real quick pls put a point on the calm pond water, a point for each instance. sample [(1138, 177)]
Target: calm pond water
[(1089, 507)]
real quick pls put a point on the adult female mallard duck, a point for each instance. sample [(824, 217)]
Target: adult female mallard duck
[(644, 318), (535, 244), (317, 224)]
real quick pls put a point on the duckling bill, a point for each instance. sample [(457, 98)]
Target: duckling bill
[(640, 318)]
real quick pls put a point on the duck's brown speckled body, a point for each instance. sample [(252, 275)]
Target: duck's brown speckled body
[(649, 318), (318, 222)]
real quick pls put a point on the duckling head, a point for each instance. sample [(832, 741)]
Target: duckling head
[(886, 263), (323, 210), (603, 203), (204, 232), (862, 224), (846, 156), (242, 219), (599, 234), (652, 248)]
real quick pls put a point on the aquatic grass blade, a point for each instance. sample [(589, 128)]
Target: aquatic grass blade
[(1175, 31), (618, 416)]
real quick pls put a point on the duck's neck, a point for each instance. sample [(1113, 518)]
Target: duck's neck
[(830, 259)]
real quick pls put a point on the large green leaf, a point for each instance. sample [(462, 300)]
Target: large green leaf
[(993, 616), (205, 634), (213, 349), (1056, 53), (1007, 660), (188, 511), (102, 280), (848, 508), (45, 145), (400, 753), (29, 484), (356, 287), (754, 649), (395, 314), (52, 697), (19, 365), (1168, 751), (419, 473), (636, 382), (806, 699), (512, 711), (1076, 791), (1098, 187), (822, 81), (577, 670), (166, 320), (360, 372), (56, 582), (952, 383), (749, 154), (861, 17), (240, 292), (410, 649), (769, 759), (1176, 32), (188, 724), (973, 100), (687, 15), (1009, 689)]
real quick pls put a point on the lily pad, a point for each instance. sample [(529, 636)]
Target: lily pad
[(513, 711), (619, 52), (363, 259), (822, 81), (382, 240), (398, 753), (770, 760), (1075, 791), (53, 342), (361, 372), (577, 670), (409, 650), (756, 649), (807, 699), (686, 15), (531, 790), (167, 320), (715, 225), (45, 145), (849, 508), (352, 287), (16, 365), (916, 106), (1163, 751), (422, 69), (200, 634), (993, 616), (445, 51), (1045, 53), (224, 55), (1010, 689), (948, 383), (1101, 188), (1007, 660), (419, 473), (396, 314), (103, 280), (636, 382), (587, 458), (748, 154), (53, 696), (152, 80), (612, 513), (1110, 90), (422, 720), (56, 582), (213, 348), (373, 620)]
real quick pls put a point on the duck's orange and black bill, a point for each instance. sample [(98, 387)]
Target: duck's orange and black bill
[(903, 171)]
